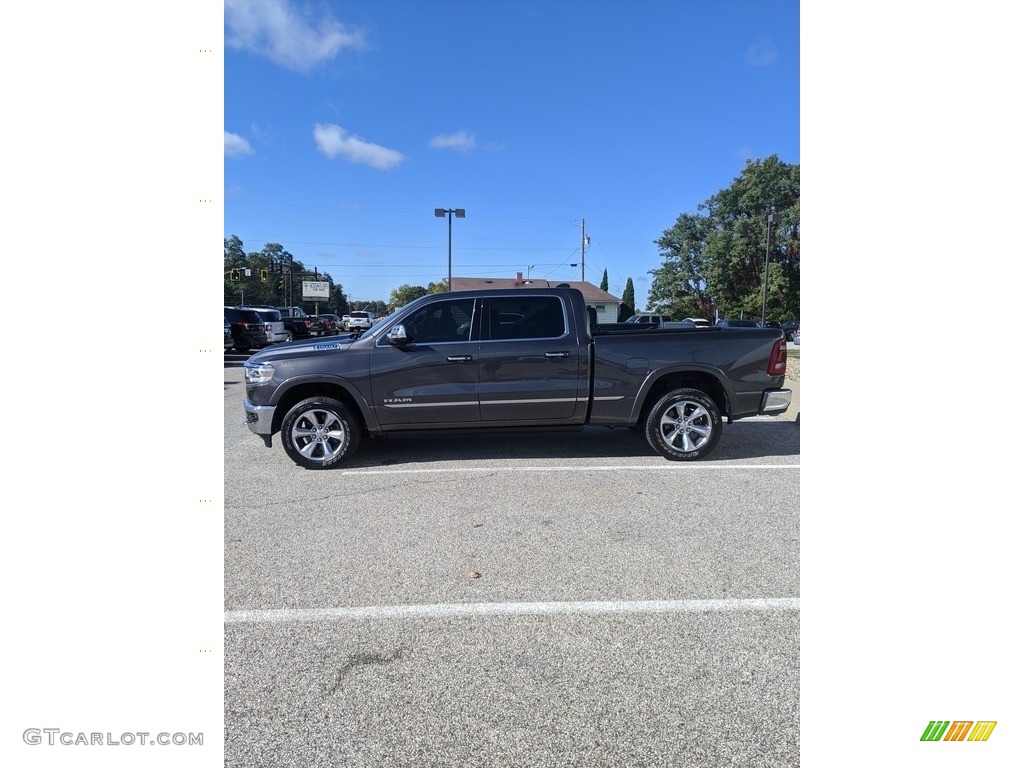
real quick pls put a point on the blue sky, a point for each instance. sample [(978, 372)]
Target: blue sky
[(348, 123)]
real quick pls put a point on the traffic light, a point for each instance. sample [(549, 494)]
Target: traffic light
[(264, 275), (235, 276)]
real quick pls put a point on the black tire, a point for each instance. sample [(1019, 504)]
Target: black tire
[(288, 336), (320, 433), (684, 425), (242, 348)]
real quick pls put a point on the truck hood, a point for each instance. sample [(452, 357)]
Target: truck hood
[(303, 348)]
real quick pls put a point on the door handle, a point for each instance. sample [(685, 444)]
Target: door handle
[(557, 354), (459, 358)]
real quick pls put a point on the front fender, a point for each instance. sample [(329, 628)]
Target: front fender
[(291, 391)]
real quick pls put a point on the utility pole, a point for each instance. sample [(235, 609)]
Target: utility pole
[(583, 248), (290, 302)]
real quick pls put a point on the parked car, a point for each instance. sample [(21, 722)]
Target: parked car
[(273, 323), (699, 322), (645, 319), (359, 320), (791, 327), (796, 337), (737, 324), (248, 330), (228, 341), (331, 324), (771, 324)]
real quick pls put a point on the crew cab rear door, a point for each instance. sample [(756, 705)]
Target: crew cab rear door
[(531, 369)]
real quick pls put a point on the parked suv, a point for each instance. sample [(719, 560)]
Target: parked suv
[(359, 321), (248, 329), (274, 325)]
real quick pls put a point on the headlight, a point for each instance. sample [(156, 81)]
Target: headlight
[(259, 373)]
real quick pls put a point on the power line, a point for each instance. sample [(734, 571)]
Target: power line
[(341, 209)]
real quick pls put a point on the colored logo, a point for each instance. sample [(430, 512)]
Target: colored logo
[(958, 730)]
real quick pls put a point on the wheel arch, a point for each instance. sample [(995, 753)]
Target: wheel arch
[(309, 389), (705, 381)]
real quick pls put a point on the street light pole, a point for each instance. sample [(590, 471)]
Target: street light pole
[(460, 213), (773, 218)]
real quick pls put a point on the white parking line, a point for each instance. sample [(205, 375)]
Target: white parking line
[(454, 610), (573, 468)]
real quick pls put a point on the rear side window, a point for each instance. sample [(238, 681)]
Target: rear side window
[(533, 317)]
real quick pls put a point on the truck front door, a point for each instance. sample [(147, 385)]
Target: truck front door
[(433, 378)]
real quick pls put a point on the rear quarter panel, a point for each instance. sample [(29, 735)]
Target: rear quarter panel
[(630, 370)]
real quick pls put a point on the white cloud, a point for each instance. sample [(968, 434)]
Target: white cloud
[(272, 28), (236, 146), (463, 141), (335, 141), (762, 53)]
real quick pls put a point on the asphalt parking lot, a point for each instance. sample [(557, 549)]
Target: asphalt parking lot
[(513, 600)]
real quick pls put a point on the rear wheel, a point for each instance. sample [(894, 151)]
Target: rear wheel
[(684, 425), (319, 433)]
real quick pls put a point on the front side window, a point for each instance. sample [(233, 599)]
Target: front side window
[(440, 322)]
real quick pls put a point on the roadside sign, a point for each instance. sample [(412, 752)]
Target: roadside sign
[(315, 291)]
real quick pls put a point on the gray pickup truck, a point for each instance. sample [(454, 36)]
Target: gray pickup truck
[(522, 358)]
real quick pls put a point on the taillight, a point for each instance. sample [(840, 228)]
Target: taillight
[(308, 323), (777, 361)]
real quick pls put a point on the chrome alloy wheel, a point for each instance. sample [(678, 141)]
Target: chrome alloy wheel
[(686, 425), (318, 434)]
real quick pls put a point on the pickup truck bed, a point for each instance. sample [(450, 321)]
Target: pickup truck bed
[(526, 358)]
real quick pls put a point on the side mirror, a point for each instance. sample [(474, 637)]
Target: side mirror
[(396, 336)]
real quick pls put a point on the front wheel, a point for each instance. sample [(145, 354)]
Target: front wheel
[(319, 433), (684, 425)]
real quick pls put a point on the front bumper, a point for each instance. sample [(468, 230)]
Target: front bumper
[(776, 401), (259, 419)]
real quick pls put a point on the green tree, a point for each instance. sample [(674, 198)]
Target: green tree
[(628, 306), (604, 281), (715, 261), (283, 271), (339, 301), (403, 294)]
